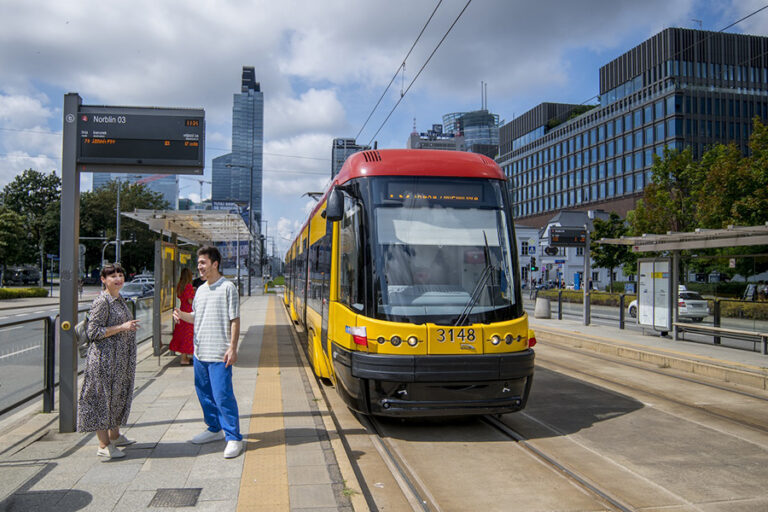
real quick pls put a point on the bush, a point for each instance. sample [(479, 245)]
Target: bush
[(741, 309), (730, 289), (279, 281), (22, 293), (595, 298)]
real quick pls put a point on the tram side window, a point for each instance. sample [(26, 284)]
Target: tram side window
[(349, 258)]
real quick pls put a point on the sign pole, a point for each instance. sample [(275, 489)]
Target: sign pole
[(587, 280), (68, 268)]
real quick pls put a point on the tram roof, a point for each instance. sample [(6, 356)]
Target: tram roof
[(196, 226), (732, 236), (421, 162)]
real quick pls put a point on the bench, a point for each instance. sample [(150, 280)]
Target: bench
[(753, 336)]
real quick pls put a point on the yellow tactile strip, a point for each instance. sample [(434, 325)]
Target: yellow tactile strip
[(264, 484)]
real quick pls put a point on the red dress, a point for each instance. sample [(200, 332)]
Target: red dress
[(183, 333)]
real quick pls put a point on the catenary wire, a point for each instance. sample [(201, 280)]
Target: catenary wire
[(402, 65), (420, 70)]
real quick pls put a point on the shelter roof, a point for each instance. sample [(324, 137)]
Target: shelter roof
[(196, 226), (732, 236)]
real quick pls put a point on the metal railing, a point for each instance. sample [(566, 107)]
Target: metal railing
[(28, 351)]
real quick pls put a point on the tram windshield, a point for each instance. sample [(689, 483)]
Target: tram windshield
[(442, 251)]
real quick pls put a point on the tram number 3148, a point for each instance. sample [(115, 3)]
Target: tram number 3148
[(463, 335)]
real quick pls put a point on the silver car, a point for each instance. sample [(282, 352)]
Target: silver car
[(690, 305)]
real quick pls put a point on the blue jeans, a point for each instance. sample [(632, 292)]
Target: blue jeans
[(213, 383)]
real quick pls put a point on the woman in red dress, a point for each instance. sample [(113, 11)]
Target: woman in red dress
[(182, 340)]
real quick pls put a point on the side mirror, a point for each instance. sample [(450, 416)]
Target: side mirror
[(334, 207)]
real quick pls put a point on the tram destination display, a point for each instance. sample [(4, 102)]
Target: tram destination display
[(165, 140)]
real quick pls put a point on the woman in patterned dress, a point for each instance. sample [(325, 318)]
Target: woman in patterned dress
[(110, 366), (182, 341)]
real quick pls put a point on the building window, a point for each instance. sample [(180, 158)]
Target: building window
[(628, 142), (639, 181), (629, 183), (620, 186), (638, 160), (649, 135), (638, 139), (628, 163), (524, 248), (648, 157)]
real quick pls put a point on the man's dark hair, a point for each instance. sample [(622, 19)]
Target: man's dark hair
[(211, 253)]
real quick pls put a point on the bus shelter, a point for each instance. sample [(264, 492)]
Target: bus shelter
[(674, 243), (185, 231)]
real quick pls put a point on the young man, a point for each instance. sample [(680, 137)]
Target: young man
[(216, 316)]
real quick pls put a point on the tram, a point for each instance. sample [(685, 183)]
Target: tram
[(405, 278)]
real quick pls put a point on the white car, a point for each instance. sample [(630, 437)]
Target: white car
[(690, 305)]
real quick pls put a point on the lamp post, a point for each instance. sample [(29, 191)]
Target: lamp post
[(250, 225)]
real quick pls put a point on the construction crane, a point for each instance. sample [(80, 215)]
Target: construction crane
[(200, 181)]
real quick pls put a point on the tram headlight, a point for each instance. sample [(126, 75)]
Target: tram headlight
[(413, 341), (395, 340), (381, 340), (509, 339), (495, 340)]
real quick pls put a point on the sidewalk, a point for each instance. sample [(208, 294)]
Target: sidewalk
[(293, 459)]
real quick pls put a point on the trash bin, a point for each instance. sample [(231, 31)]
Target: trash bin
[(542, 308)]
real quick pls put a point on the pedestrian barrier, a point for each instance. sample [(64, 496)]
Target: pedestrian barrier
[(717, 332)]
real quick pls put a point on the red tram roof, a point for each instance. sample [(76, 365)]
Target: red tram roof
[(421, 162)]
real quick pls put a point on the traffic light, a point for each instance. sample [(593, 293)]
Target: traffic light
[(533, 264)]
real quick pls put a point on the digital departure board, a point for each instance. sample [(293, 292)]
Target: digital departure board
[(567, 237), (163, 140)]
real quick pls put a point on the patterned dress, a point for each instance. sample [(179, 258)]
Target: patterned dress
[(183, 332), (110, 368)]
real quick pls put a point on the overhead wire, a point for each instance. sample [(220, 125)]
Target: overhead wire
[(401, 67), (420, 71)]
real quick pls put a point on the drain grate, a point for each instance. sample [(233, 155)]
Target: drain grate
[(175, 498)]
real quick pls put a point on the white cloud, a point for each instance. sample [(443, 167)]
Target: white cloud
[(313, 111)]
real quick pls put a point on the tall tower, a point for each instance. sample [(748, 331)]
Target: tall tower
[(235, 173)]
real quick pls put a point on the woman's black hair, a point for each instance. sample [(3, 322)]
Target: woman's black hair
[(112, 268)]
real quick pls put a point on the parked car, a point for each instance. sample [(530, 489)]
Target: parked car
[(144, 279), (137, 290), (690, 305), (22, 276)]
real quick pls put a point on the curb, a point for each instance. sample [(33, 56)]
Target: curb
[(745, 375)]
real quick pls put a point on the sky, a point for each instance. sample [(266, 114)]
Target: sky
[(322, 66)]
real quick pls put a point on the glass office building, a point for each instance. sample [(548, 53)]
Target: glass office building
[(680, 88), (166, 185), (480, 130), (340, 151), (235, 173)]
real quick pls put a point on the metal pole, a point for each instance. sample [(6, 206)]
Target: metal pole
[(237, 260), (118, 246), (587, 280), (621, 311), (69, 238), (673, 297)]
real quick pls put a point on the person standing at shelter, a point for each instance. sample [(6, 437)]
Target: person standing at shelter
[(110, 366), (182, 341), (216, 317)]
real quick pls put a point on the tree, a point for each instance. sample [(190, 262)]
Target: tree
[(610, 256), (98, 218), (11, 231), (35, 196), (667, 203)]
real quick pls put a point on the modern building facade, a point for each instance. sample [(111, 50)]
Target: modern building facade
[(435, 139), (480, 130), (340, 151), (680, 88), (166, 185), (237, 176)]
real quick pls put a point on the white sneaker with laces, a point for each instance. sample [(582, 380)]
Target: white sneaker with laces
[(122, 441), (207, 437), (110, 452), (233, 449)]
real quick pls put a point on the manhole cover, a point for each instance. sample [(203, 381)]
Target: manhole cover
[(175, 498)]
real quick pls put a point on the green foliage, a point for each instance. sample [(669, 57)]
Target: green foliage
[(98, 218), (575, 112), (740, 309), (729, 289), (611, 256), (279, 281), (22, 293), (35, 196), (595, 298), (11, 232)]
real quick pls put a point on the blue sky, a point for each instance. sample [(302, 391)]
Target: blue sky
[(322, 67)]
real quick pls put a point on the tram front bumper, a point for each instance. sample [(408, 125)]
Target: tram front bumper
[(390, 385)]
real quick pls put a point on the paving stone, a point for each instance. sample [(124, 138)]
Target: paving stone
[(303, 496)]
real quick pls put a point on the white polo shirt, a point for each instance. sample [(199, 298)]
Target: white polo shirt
[(214, 307)]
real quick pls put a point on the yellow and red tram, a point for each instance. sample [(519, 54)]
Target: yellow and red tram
[(406, 279)]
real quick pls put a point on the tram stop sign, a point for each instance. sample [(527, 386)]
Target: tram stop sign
[(146, 139), (567, 237)]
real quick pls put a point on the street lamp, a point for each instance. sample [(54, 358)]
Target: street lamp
[(250, 224)]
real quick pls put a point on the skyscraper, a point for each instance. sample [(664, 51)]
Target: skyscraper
[(235, 173), (340, 150)]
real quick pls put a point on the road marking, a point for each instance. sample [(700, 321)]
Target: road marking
[(20, 351)]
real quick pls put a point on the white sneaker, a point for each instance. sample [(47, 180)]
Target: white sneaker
[(233, 449), (110, 452), (207, 436), (122, 441)]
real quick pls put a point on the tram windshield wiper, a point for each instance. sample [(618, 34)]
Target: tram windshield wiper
[(477, 291)]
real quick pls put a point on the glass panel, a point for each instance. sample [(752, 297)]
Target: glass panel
[(22, 356)]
